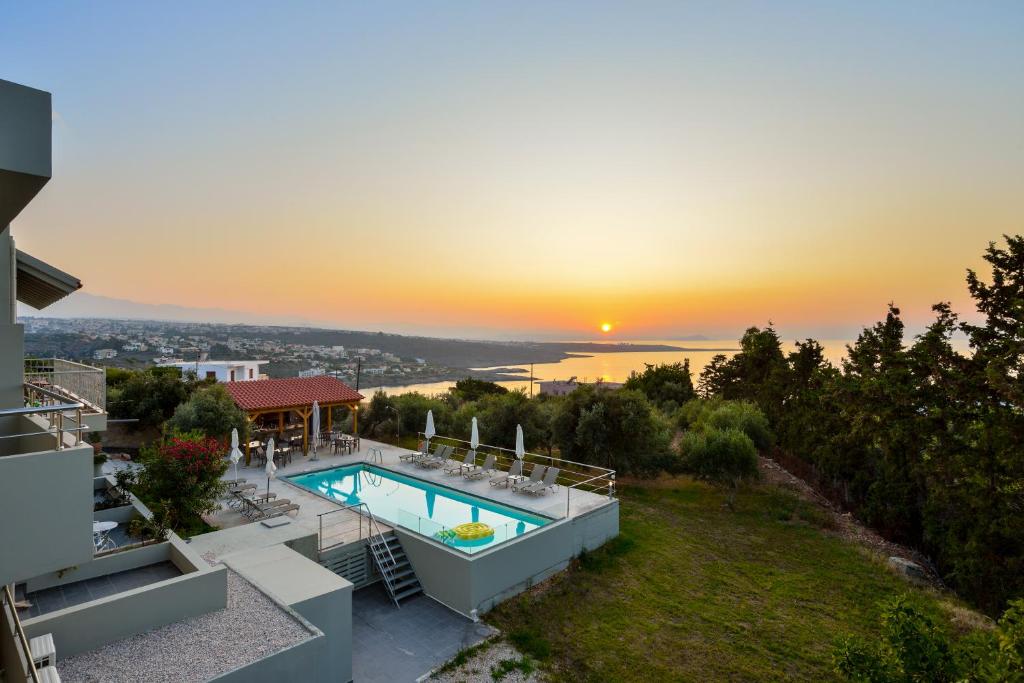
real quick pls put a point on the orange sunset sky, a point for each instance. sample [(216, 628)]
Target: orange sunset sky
[(525, 169)]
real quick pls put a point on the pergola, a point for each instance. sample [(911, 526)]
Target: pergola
[(294, 394)]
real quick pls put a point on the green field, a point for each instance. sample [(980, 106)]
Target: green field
[(693, 591)]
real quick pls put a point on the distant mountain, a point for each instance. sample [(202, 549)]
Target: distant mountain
[(86, 305)]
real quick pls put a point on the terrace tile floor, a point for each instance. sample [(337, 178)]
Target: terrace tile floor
[(71, 594), (391, 644)]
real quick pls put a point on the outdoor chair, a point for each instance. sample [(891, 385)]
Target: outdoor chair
[(469, 460), (101, 540), (550, 479), (536, 475), (514, 472), (477, 471)]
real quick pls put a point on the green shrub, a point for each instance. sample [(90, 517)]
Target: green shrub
[(212, 412), (913, 647), (744, 416), (722, 457)]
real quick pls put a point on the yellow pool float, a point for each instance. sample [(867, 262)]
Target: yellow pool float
[(468, 534), (473, 531)]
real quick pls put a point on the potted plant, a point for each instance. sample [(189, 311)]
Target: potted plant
[(98, 458)]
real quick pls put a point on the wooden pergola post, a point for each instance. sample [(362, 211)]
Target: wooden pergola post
[(251, 419), (355, 419), (304, 413)]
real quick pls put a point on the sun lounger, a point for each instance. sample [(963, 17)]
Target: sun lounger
[(254, 510), (291, 507), (468, 461), (550, 479), (238, 494), (477, 471), (536, 475), (419, 456), (412, 456), (514, 472), (439, 458)]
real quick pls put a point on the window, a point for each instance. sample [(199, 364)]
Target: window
[(232, 376), (211, 374), (250, 373)]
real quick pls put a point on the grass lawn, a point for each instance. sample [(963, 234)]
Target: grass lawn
[(693, 591)]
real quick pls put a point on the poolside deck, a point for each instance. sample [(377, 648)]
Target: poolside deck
[(347, 526)]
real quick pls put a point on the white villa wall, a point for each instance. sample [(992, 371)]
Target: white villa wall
[(50, 501), (479, 582)]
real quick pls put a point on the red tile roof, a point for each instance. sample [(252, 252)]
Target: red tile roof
[(291, 392)]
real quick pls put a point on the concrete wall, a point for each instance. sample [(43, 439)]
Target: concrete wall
[(93, 624), (47, 500), (332, 614), (300, 662), (12, 354), (479, 582), (321, 598)]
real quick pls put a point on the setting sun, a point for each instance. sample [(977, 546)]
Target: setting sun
[(606, 327)]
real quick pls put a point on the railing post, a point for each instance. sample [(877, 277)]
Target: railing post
[(78, 432), (59, 428)]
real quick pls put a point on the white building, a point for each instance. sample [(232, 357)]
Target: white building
[(559, 387), (104, 354), (222, 370), (134, 346), (374, 371), (312, 372)]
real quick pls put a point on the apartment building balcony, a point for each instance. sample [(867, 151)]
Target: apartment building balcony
[(49, 381)]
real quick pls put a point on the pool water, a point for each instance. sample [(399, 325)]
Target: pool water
[(434, 511)]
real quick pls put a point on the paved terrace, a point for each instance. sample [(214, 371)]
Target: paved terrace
[(551, 504)]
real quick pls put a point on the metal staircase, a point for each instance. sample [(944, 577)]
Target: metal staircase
[(388, 555), (394, 567)]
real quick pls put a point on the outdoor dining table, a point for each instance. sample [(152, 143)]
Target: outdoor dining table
[(344, 443)]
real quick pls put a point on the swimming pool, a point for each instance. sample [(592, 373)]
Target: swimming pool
[(456, 519)]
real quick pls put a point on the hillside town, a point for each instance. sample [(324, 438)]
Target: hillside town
[(133, 344)]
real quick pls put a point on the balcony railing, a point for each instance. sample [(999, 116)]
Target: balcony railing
[(62, 418), (74, 382), (13, 629)]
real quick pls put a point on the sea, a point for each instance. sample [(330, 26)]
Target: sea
[(616, 366)]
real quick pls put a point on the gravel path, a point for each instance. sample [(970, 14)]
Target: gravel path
[(250, 628)]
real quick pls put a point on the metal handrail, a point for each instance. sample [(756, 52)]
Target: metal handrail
[(20, 632), (605, 475), (372, 525), (509, 450), (34, 410), (56, 410)]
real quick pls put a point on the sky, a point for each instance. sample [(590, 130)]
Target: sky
[(528, 169)]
